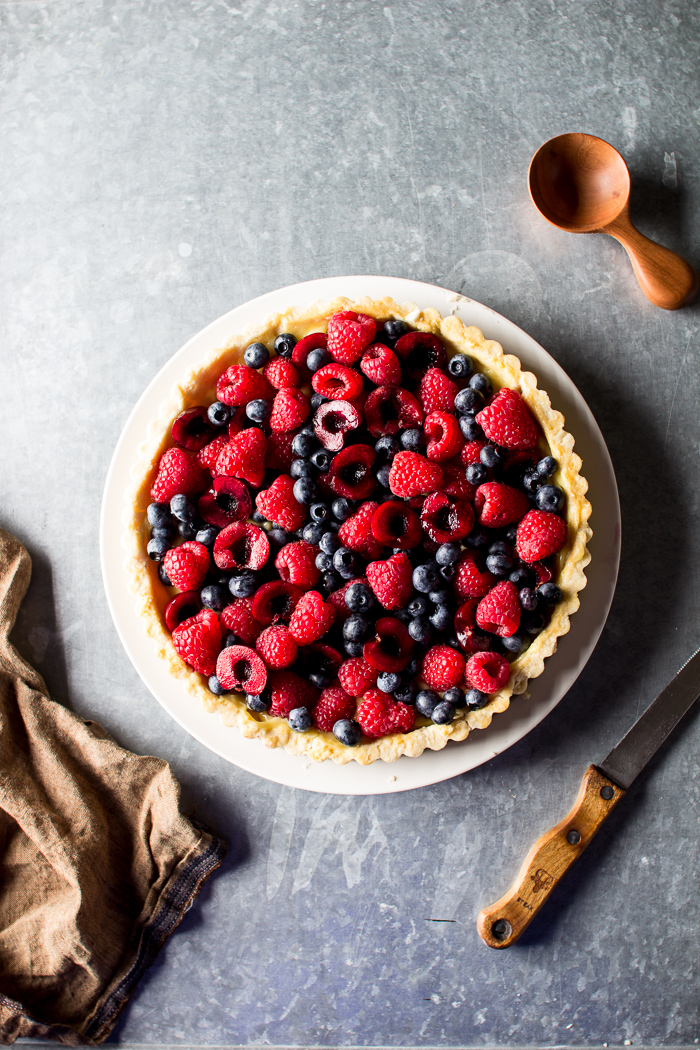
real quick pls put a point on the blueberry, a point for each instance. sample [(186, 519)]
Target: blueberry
[(406, 692), (531, 482), (182, 508), (300, 719), (476, 473), (547, 466), (448, 553), (386, 448), (218, 414), (491, 456), (468, 401), (477, 538), (413, 439), (388, 681), (511, 534), (382, 475), (316, 359), (344, 560), (347, 732), (167, 533), (259, 410), (257, 701), (440, 596), (528, 599), (256, 355), (312, 532), (316, 400), (303, 445), (395, 329), (499, 564), (302, 468), (359, 598), (481, 382), (460, 366), (244, 585), (284, 344), (321, 681), (304, 491), (448, 572), (216, 687), (471, 430), (356, 628), (474, 699), (418, 606), (426, 578), (215, 597), (441, 619), (454, 696), (257, 517), (321, 459), (532, 622), (420, 630), (354, 648), (515, 643), (156, 549), (229, 639), (341, 509), (319, 512), (403, 615), (330, 581), (549, 497), (329, 543), (521, 577), (158, 515), (426, 702), (443, 713), (163, 576), (549, 593), (187, 529), (278, 538), (501, 547)]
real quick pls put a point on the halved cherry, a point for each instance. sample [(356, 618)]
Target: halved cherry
[(420, 351), (315, 341), (180, 608), (333, 420), (241, 545), (447, 520), (275, 602), (228, 500), (238, 667), (192, 429), (389, 409), (395, 523), (351, 474), (471, 639), (392, 647)]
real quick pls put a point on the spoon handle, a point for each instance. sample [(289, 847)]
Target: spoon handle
[(666, 278)]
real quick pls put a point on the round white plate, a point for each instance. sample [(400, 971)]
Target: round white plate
[(431, 767)]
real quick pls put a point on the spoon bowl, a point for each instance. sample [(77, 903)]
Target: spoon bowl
[(581, 184)]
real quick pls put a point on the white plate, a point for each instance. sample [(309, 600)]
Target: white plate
[(431, 767)]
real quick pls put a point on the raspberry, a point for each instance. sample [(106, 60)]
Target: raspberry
[(444, 436), (278, 454), (497, 504), (178, 472), (446, 520), (239, 384), (540, 533), (437, 392), (471, 453), (180, 608), (226, 501), (275, 601), (279, 505), (379, 715), (198, 640), (507, 421), (311, 618), (287, 691), (470, 581), (381, 365), (389, 409), (241, 545), (397, 525), (207, 456), (332, 705), (244, 456), (499, 611), (413, 475), (315, 341), (488, 672), (391, 648), (356, 675), (420, 351), (337, 598), (391, 580), (333, 420), (350, 474), (356, 533), (289, 409), (192, 429), (349, 334), (443, 667), (296, 563), (280, 372), (239, 619), (187, 565), (277, 647), (239, 667), (337, 382)]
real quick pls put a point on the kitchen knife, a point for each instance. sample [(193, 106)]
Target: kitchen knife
[(602, 787)]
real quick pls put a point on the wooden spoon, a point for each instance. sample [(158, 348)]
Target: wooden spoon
[(581, 184)]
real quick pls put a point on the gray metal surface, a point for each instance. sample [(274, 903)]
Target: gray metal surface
[(163, 162)]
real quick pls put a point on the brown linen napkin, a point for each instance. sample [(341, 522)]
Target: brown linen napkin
[(97, 864)]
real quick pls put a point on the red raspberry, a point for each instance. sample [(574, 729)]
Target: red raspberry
[(488, 672), (334, 420), (296, 563), (239, 619), (207, 456), (443, 667), (287, 691), (507, 421), (349, 334), (381, 365), (244, 456), (356, 675), (446, 520), (389, 409), (356, 532), (444, 436), (337, 598), (315, 341), (239, 384), (420, 351), (391, 580), (499, 611), (289, 409), (241, 545), (279, 505), (187, 565), (470, 581), (277, 647), (280, 372), (395, 524), (437, 392), (351, 472), (178, 472), (197, 641), (311, 618), (391, 648), (275, 601), (239, 667), (278, 454), (540, 533), (471, 453), (379, 715), (413, 475), (192, 429), (337, 382), (333, 704), (497, 504)]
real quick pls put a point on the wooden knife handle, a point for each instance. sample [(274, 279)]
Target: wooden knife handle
[(501, 924)]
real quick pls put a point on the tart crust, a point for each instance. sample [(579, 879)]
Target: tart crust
[(198, 387)]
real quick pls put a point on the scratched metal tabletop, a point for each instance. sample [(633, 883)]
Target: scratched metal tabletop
[(166, 162)]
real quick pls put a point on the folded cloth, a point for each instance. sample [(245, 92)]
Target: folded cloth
[(97, 864)]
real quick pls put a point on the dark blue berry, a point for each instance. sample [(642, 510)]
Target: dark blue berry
[(386, 448), (156, 549), (521, 577), (353, 648), (163, 576), (549, 497), (316, 359), (448, 553), (329, 543), (491, 456), (448, 572), (304, 491), (216, 687), (481, 382), (418, 606), (443, 713), (300, 719), (388, 681), (477, 538), (515, 643), (532, 622), (531, 482), (547, 466), (215, 597), (356, 628), (468, 401), (257, 517), (412, 439), (454, 695), (528, 599), (284, 344), (549, 593), (420, 630), (167, 533), (187, 529), (341, 509), (406, 692), (218, 414), (476, 473), (460, 366), (244, 585), (359, 598), (321, 681), (471, 430), (426, 578), (256, 355), (278, 537), (257, 702), (440, 596), (475, 699), (182, 508), (382, 475), (316, 400), (330, 581), (402, 614), (312, 532), (347, 732), (344, 560), (303, 445), (426, 702), (302, 468), (158, 515), (319, 512), (229, 639), (321, 459), (323, 562), (258, 410), (499, 564), (395, 329), (441, 619)]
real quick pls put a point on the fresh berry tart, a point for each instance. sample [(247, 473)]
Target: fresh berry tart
[(358, 530)]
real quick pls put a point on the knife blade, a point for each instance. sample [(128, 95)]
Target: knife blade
[(602, 787)]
